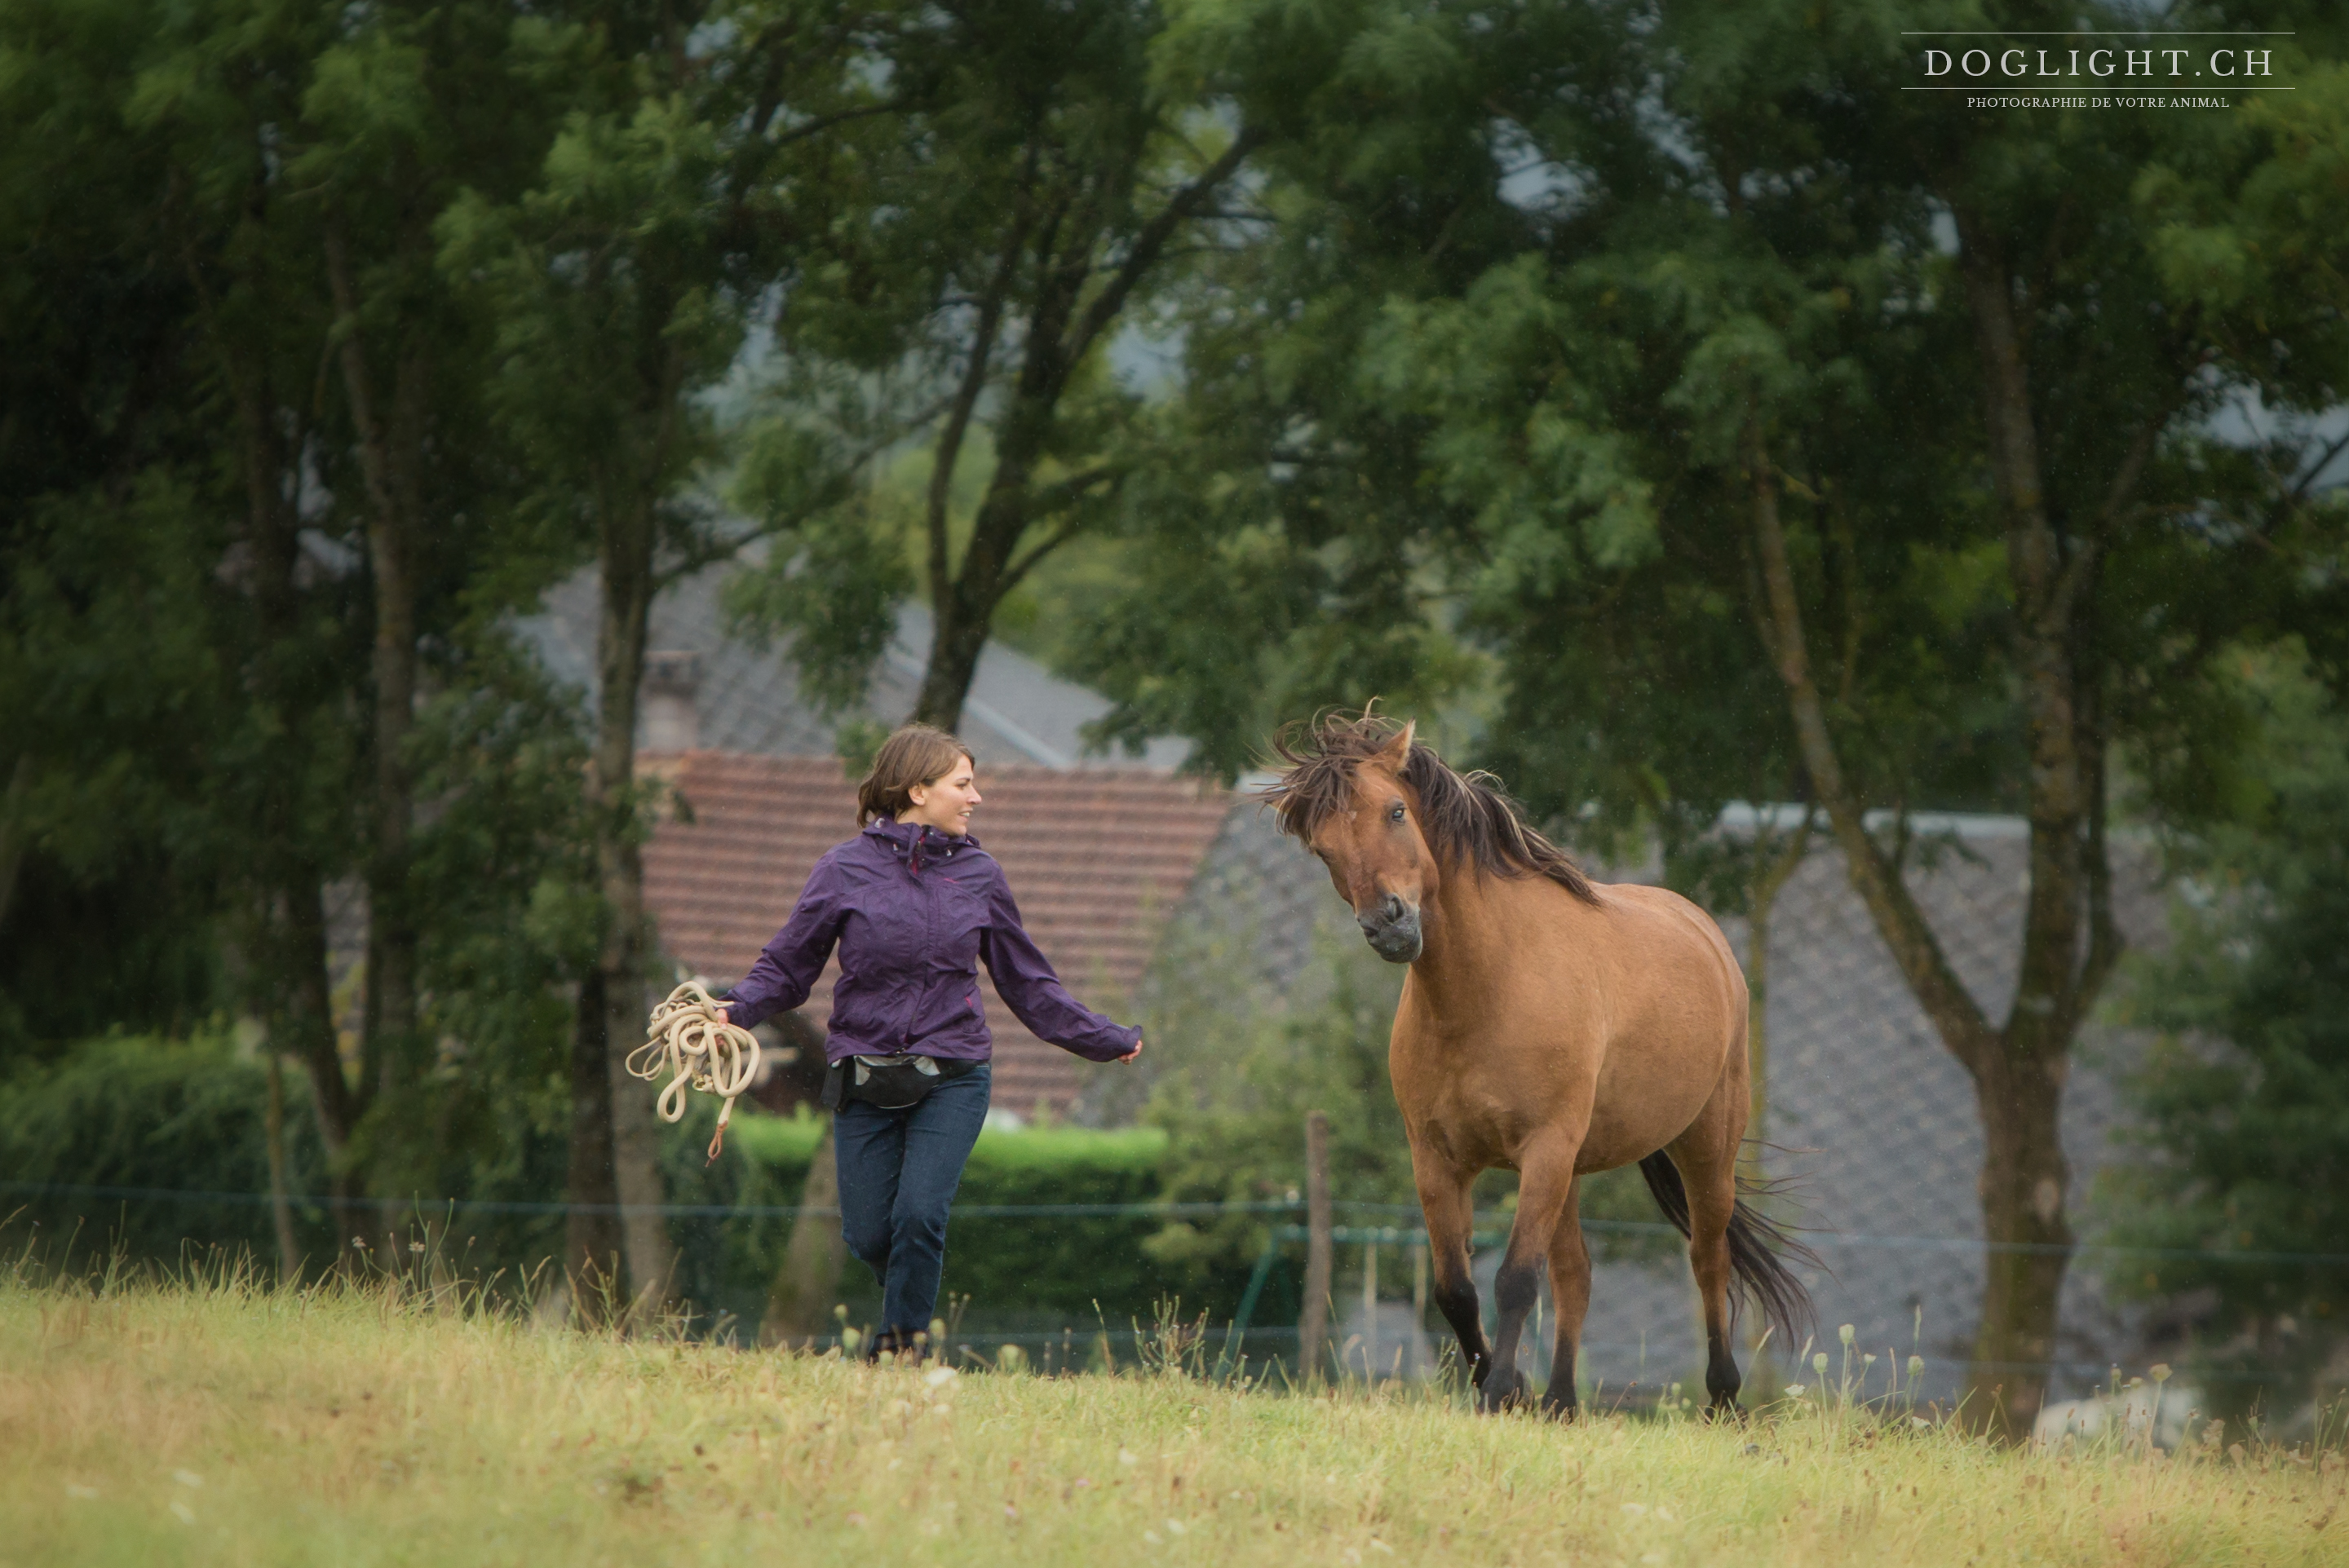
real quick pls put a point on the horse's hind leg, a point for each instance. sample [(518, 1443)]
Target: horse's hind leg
[(1569, 1293), (1444, 1202), (1706, 1156)]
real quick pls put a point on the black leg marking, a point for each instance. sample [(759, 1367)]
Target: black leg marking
[(1559, 1402), (1721, 1378), (1458, 1305)]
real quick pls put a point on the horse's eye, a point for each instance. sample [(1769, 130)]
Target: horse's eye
[(1394, 812)]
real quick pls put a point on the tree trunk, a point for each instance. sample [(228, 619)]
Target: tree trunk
[(800, 1300), (590, 1233), (957, 636), (2024, 1179), (625, 552), (304, 1011), (281, 1207), (387, 465), (2068, 946), (296, 999), (2018, 1068), (14, 806)]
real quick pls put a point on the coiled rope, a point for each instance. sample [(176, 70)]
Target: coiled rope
[(691, 1041)]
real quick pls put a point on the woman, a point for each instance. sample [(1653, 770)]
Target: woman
[(914, 904)]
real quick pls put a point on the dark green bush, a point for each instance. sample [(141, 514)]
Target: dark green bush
[(146, 1117), (1020, 1273), (141, 1115)]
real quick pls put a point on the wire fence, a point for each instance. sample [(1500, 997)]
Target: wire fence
[(1243, 1336), (1486, 1233)]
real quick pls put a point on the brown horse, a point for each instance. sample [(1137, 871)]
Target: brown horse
[(1549, 1026)]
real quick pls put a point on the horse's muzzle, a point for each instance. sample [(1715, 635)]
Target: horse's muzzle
[(1392, 928)]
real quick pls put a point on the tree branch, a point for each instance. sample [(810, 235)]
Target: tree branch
[(1151, 240), (1952, 1010), (948, 450)]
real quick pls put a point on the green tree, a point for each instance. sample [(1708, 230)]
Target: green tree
[(623, 281), (1791, 434), (1042, 179), (281, 512), (2244, 1102)]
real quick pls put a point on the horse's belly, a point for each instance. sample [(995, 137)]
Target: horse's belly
[(1651, 1087)]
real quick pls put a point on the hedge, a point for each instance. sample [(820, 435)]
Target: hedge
[(137, 1112)]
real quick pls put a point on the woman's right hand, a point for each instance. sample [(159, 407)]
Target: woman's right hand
[(1134, 1053)]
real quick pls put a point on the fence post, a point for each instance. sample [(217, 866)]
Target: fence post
[(1312, 1333)]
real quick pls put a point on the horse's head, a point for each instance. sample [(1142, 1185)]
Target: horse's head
[(1347, 797)]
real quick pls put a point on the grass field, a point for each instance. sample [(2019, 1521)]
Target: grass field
[(223, 1423)]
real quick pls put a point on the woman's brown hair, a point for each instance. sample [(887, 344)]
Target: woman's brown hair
[(915, 754)]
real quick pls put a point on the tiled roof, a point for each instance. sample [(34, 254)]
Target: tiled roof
[(1016, 712), (1097, 858)]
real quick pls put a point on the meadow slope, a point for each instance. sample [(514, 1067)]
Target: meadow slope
[(239, 1426)]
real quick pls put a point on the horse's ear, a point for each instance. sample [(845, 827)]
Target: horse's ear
[(1397, 752)]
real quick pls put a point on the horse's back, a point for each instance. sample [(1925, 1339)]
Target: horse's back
[(1678, 943)]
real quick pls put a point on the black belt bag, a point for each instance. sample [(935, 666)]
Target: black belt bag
[(889, 1083)]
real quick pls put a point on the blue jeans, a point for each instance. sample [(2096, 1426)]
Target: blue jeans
[(898, 1171)]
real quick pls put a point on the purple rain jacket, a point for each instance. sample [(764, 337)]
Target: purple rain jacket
[(913, 910)]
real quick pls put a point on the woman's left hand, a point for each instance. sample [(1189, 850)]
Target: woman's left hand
[(1134, 1053)]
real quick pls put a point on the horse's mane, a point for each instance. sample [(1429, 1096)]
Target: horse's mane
[(1463, 816)]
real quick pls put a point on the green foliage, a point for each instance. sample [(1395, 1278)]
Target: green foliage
[(1040, 190), (2244, 1101), (109, 680), (503, 864), (137, 1112)]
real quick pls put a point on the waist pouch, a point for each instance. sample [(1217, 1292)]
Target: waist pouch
[(889, 1083)]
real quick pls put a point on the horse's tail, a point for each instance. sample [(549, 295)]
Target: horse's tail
[(1759, 1248)]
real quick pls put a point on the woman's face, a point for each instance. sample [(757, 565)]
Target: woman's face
[(946, 801)]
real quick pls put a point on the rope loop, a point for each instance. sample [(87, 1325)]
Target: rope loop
[(690, 1041)]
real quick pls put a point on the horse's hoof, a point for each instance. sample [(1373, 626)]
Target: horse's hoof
[(1502, 1393)]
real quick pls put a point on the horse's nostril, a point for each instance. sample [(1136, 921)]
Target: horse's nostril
[(1393, 907)]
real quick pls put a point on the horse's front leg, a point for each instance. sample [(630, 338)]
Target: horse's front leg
[(1545, 1187), (1444, 1202)]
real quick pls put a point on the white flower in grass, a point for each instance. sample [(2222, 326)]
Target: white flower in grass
[(938, 1376), (182, 1512), (1794, 1390), (1128, 1457), (187, 1478)]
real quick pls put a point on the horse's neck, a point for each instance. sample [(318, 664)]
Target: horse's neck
[(1483, 929)]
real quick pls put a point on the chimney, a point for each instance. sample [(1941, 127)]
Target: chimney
[(672, 713)]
